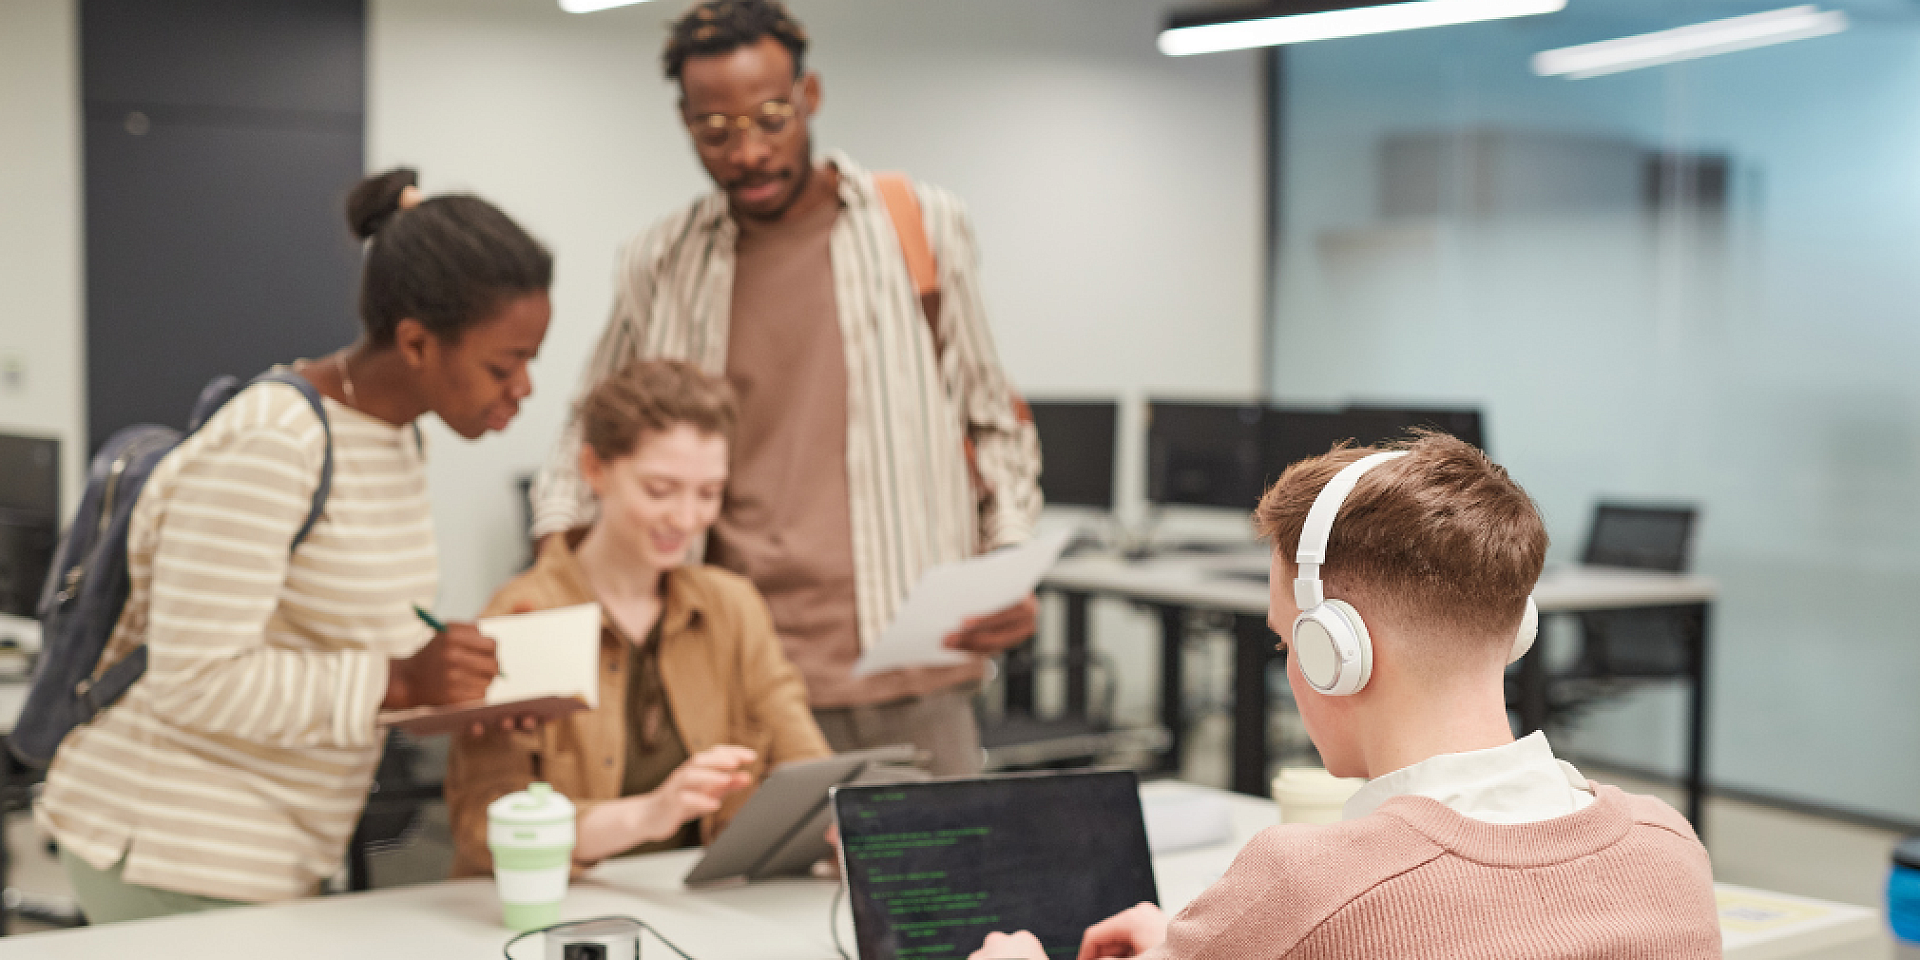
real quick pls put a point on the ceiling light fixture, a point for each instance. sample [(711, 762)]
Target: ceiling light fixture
[(1689, 43), (1292, 21), (590, 6)]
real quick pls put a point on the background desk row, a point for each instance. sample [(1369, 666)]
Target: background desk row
[(1175, 586)]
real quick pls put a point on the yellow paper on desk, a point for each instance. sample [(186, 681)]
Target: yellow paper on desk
[(549, 667)]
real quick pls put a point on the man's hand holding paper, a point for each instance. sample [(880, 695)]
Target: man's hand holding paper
[(979, 606)]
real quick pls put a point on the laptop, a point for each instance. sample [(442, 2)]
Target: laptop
[(782, 829), (931, 868)]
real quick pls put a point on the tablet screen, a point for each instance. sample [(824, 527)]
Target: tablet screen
[(932, 868)]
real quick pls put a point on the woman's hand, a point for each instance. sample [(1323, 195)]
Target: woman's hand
[(695, 789), (454, 667)]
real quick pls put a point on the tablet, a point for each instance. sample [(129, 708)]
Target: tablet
[(932, 868), (782, 829)]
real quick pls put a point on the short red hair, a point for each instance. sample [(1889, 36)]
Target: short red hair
[(1441, 536)]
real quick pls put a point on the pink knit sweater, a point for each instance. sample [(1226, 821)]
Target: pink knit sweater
[(1622, 879)]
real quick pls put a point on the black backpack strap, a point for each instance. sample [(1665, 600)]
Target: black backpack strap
[(320, 493)]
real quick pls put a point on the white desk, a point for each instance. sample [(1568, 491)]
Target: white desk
[(1236, 584), (773, 920)]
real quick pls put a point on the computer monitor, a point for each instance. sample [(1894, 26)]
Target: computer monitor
[(1385, 421), (1291, 434), (29, 519), (1076, 450), (30, 476), (1204, 454)]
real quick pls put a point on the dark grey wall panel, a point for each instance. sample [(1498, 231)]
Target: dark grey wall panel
[(271, 55), (221, 138)]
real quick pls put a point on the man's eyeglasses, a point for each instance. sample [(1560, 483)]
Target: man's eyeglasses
[(715, 130)]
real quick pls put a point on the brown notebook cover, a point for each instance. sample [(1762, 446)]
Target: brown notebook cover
[(453, 718)]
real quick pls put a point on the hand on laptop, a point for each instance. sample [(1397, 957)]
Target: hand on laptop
[(1129, 933), (994, 632), (1010, 946)]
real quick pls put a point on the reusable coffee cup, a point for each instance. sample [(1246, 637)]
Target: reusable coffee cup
[(531, 836), (1311, 794)]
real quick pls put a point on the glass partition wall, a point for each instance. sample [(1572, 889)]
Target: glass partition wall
[(1698, 282)]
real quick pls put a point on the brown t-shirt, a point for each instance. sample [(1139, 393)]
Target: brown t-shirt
[(787, 525)]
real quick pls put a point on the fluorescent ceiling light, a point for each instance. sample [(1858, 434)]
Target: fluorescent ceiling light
[(1688, 43), (589, 6), (1186, 40)]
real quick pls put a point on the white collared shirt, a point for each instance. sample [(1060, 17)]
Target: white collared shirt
[(1520, 782)]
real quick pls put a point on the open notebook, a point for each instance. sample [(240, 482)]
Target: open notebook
[(549, 667)]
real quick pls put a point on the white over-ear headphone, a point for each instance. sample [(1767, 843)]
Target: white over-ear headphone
[(1329, 638)]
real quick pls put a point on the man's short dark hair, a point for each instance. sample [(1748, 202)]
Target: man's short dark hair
[(719, 26)]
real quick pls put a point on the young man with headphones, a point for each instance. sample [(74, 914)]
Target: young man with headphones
[(1399, 621)]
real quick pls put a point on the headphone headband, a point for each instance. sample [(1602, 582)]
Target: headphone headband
[(1308, 592)]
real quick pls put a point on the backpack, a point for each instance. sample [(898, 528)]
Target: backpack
[(88, 583)]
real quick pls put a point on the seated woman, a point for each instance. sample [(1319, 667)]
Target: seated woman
[(697, 702)]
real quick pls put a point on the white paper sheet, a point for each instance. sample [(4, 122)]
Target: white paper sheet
[(549, 653), (950, 594)]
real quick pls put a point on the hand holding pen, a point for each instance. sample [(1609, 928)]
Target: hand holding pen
[(455, 666)]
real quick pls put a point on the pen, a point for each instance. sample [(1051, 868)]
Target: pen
[(429, 619), (438, 627)]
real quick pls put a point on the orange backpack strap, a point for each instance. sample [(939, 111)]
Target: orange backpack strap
[(903, 207)]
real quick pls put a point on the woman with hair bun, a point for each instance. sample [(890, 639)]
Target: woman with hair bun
[(234, 770)]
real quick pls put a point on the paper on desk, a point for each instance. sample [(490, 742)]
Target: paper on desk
[(549, 666), (950, 594)]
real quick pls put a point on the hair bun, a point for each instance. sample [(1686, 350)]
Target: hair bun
[(376, 199)]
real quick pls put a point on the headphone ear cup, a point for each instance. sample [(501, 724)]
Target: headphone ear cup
[(1334, 649), (1529, 629)]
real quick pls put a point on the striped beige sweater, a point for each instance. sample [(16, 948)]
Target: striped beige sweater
[(237, 766), (1621, 879)]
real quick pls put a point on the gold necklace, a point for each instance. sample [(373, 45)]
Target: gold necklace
[(346, 380)]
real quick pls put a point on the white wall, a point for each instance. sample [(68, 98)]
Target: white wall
[(42, 327), (1116, 192)]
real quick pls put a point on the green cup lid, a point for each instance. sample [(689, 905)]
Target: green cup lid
[(538, 804)]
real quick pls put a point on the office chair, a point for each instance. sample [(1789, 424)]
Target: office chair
[(1019, 739), (1620, 647), (1633, 644), (401, 788)]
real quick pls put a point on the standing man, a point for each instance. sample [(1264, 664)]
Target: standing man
[(878, 435)]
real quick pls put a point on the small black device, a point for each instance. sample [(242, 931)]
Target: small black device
[(931, 868), (1204, 454), (1076, 450)]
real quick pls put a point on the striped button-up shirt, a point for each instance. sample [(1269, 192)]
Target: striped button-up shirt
[(911, 404)]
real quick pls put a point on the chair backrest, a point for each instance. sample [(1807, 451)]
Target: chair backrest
[(1641, 537)]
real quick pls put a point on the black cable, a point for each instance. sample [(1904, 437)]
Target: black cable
[(507, 951), (833, 914)]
